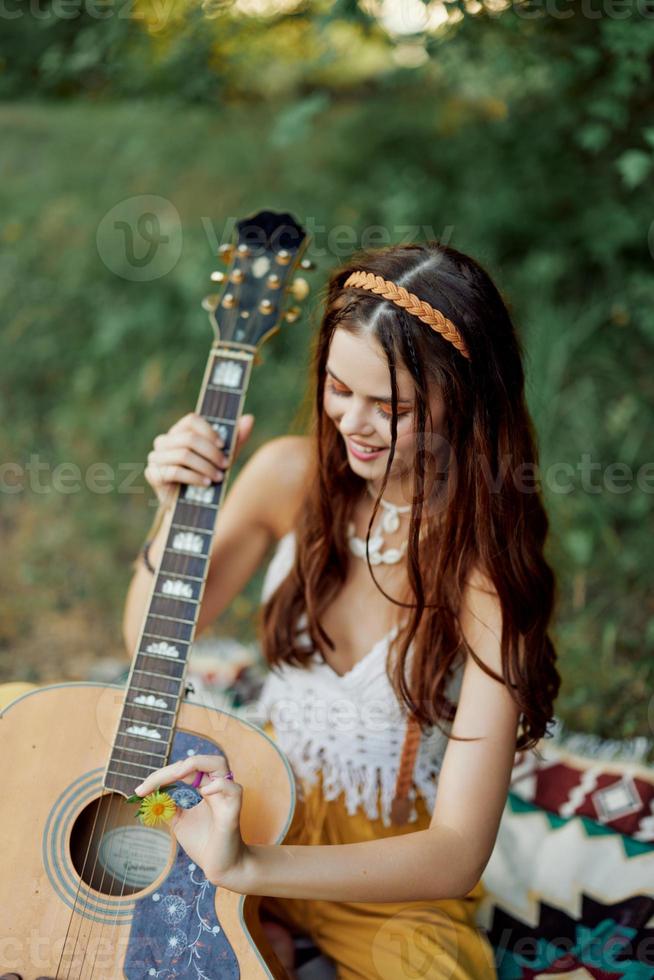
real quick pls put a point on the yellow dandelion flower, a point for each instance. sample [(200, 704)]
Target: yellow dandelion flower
[(156, 808)]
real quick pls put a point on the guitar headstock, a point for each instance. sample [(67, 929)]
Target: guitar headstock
[(261, 263)]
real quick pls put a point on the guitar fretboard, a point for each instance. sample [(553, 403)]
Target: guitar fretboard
[(156, 683)]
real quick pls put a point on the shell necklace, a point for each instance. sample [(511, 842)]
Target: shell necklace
[(390, 522)]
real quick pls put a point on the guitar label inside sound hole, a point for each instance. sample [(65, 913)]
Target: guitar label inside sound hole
[(112, 852)]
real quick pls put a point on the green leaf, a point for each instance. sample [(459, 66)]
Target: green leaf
[(634, 166), (579, 543), (594, 136)]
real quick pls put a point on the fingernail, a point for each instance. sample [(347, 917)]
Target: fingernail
[(139, 787), (206, 481)]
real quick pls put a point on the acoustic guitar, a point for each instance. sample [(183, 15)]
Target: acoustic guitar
[(87, 891)]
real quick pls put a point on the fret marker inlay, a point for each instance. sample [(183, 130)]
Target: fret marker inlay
[(175, 587), (145, 732), (150, 701), (187, 541), (228, 374), (199, 495), (163, 649), (221, 429)]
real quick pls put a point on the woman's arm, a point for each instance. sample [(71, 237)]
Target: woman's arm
[(448, 859), (444, 861), (259, 507)]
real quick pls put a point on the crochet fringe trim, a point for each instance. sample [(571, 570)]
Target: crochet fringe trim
[(361, 783)]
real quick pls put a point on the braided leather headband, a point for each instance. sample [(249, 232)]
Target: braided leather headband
[(411, 303)]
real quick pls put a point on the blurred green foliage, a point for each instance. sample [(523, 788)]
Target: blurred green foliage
[(526, 140)]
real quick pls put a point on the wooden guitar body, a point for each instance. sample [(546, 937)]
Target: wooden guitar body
[(86, 890)]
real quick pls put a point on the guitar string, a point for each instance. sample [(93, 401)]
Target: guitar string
[(218, 410), (115, 925), (94, 918), (81, 913), (81, 879), (212, 404), (88, 892)]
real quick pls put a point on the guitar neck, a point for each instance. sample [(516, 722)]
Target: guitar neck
[(156, 683)]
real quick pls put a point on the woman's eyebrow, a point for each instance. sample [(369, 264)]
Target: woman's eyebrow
[(374, 398)]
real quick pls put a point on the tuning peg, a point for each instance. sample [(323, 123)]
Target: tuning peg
[(307, 264), (292, 314), (210, 302), (300, 288), (218, 276), (226, 252)]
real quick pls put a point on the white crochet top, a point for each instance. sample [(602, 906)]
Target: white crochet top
[(351, 726)]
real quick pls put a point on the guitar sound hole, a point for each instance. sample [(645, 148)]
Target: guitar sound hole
[(113, 852)]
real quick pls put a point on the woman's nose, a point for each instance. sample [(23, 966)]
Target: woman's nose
[(356, 419)]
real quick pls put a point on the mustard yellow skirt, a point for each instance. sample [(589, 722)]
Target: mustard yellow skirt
[(430, 940)]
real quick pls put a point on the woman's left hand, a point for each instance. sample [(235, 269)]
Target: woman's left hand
[(210, 831)]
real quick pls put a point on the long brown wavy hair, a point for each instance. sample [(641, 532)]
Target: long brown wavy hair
[(467, 509)]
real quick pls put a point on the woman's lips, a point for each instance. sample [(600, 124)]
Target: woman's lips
[(359, 452)]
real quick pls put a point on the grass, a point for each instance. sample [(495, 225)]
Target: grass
[(94, 364)]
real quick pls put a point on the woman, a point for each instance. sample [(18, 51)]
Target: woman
[(409, 569)]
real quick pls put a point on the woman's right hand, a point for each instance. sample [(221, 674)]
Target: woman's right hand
[(191, 452)]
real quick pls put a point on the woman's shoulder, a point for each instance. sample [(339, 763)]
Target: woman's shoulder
[(280, 468)]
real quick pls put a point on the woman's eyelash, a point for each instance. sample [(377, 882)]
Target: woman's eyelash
[(389, 415), (337, 391), (385, 415)]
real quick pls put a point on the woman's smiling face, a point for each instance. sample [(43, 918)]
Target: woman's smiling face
[(358, 400)]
